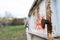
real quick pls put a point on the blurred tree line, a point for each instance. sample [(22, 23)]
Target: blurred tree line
[(11, 21), (8, 19), (18, 21)]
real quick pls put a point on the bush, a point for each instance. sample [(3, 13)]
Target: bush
[(17, 21)]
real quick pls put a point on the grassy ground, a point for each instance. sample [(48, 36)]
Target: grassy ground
[(13, 33)]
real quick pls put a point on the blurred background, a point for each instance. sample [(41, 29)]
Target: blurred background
[(12, 16)]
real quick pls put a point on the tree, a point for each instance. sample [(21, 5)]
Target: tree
[(8, 15)]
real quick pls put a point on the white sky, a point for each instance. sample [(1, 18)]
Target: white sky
[(18, 8)]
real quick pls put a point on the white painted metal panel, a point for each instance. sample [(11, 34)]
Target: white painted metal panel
[(32, 23), (55, 18), (43, 14), (58, 14), (55, 7)]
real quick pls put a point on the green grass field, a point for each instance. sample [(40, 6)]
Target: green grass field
[(13, 33)]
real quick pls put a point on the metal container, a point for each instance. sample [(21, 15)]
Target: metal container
[(44, 19)]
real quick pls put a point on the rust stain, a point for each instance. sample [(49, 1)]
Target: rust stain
[(48, 17), (38, 13), (34, 13)]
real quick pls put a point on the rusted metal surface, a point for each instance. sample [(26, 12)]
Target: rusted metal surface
[(35, 20), (34, 6), (48, 17), (38, 12)]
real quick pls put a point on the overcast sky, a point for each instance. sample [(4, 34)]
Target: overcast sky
[(18, 8)]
